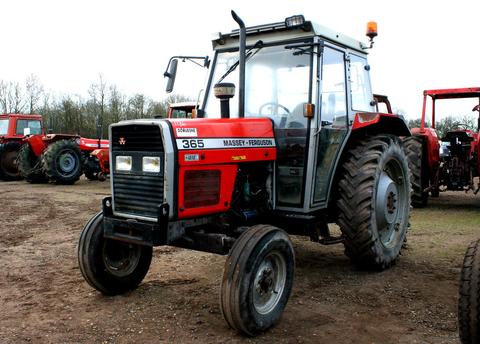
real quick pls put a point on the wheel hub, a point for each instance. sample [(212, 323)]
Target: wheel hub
[(120, 258), (67, 162), (269, 283)]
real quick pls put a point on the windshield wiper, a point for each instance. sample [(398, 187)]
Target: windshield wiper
[(250, 53), (302, 48)]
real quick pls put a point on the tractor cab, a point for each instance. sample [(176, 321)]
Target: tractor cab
[(16, 126), (310, 82)]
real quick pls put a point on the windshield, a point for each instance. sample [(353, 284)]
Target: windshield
[(3, 126), (277, 83)]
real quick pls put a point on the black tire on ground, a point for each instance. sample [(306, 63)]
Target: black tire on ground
[(469, 296), (257, 280), (435, 192), (8, 161), (110, 266), (62, 162), (419, 177), (374, 201), (30, 165)]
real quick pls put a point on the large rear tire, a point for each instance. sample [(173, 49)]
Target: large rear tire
[(62, 162), (30, 165), (257, 280), (374, 201), (469, 296), (8, 161), (110, 266), (414, 151)]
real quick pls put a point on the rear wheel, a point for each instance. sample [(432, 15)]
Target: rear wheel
[(257, 279), (30, 165), (469, 296), (62, 162), (374, 201), (414, 151), (8, 161), (110, 266)]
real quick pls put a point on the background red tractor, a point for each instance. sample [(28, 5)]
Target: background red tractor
[(13, 129), (447, 163), (25, 151)]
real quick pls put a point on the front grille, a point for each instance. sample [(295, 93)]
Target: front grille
[(136, 192), (136, 137)]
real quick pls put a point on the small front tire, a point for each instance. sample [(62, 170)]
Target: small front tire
[(110, 266), (257, 280)]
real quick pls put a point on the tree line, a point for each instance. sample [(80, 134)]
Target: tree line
[(449, 123), (74, 114)]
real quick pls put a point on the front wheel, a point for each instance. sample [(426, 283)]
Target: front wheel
[(374, 201), (8, 161), (469, 296), (110, 266), (257, 279)]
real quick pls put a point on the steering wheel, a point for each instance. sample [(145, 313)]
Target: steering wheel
[(279, 119), (461, 126)]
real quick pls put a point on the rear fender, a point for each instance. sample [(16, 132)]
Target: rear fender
[(50, 138), (380, 123), (37, 144)]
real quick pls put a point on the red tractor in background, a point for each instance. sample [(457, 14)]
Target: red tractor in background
[(448, 163), (25, 151), (182, 110), (13, 129)]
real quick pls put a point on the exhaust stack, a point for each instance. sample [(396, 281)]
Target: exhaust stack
[(241, 63)]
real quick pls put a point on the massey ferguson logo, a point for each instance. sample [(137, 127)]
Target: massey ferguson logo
[(122, 141)]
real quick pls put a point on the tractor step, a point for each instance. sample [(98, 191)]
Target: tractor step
[(331, 240)]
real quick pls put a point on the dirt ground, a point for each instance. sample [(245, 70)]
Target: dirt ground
[(44, 299)]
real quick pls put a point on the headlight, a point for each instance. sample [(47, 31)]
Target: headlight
[(123, 163), (151, 164)]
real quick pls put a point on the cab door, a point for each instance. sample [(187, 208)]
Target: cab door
[(333, 121)]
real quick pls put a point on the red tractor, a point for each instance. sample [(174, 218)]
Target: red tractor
[(447, 163), (58, 158), (302, 147), (25, 151), (13, 129)]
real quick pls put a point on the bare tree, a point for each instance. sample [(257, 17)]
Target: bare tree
[(98, 94), (34, 91)]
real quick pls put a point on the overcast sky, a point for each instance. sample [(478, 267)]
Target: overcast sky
[(422, 44)]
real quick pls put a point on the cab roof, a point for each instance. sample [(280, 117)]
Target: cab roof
[(20, 115), (451, 93), (279, 31)]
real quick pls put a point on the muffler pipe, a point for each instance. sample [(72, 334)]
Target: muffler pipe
[(241, 65)]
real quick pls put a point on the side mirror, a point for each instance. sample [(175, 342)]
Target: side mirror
[(172, 72)]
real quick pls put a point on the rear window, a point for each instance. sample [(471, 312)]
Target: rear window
[(34, 125)]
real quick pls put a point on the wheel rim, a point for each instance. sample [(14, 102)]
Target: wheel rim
[(269, 282), (391, 199), (67, 163), (120, 259)]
